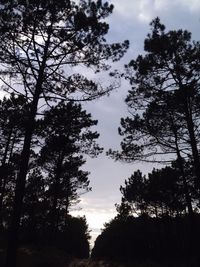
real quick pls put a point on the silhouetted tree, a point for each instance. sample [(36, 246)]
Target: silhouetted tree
[(68, 137), (13, 111), (39, 39), (74, 236), (165, 90), (134, 194), (35, 208), (138, 240), (161, 194)]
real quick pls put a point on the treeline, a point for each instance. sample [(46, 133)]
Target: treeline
[(158, 195), (143, 240), (158, 218), (152, 223)]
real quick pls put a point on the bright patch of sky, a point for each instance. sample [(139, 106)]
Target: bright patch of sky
[(2, 94), (192, 5), (96, 220)]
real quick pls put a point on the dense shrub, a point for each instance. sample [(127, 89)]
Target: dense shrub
[(146, 238)]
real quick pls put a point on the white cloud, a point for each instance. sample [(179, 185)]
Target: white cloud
[(161, 4), (144, 11), (192, 5)]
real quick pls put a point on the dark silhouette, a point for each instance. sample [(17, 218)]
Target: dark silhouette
[(164, 107), (46, 37), (55, 180), (152, 222), (162, 241), (159, 194), (67, 137), (12, 126), (164, 102), (72, 237)]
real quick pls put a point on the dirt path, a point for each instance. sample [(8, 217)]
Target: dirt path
[(90, 263)]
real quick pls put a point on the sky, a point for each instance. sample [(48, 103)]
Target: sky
[(130, 20)]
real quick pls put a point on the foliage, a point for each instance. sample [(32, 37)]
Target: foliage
[(56, 179), (71, 238), (40, 41), (46, 38), (161, 194), (163, 100), (145, 239)]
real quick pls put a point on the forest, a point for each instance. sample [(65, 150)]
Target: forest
[(47, 49)]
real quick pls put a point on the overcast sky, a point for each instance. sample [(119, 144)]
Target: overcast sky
[(130, 20)]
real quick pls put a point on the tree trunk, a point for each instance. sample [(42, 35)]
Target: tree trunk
[(190, 127), (4, 182), (181, 168), (192, 223), (20, 186), (54, 215), (185, 186), (12, 146), (3, 162), (195, 153), (3, 176)]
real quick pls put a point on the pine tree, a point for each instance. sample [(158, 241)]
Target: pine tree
[(39, 42)]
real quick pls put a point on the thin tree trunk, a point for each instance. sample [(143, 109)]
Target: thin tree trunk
[(3, 176), (4, 182), (185, 186), (192, 224), (3, 162), (181, 168), (190, 126), (193, 143), (7, 147), (20, 187), (12, 146), (54, 217)]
